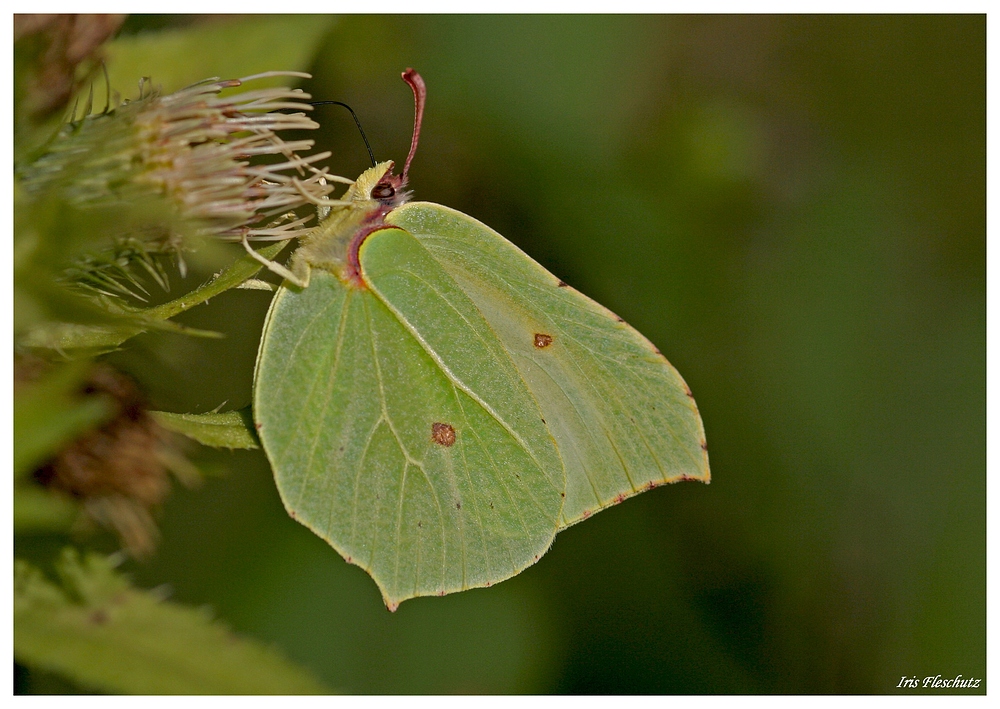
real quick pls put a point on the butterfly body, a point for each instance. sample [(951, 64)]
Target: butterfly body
[(334, 244)]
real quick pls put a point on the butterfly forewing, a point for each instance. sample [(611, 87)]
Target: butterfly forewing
[(622, 417)]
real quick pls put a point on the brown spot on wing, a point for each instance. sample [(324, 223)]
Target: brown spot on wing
[(704, 445), (542, 340), (562, 284), (443, 434)]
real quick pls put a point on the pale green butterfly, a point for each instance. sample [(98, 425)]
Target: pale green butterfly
[(437, 406)]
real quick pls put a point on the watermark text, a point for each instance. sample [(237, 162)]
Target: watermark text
[(939, 682)]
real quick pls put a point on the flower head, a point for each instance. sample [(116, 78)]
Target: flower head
[(215, 155)]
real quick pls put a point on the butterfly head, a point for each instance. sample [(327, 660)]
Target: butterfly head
[(378, 189)]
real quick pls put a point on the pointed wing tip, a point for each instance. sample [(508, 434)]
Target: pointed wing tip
[(391, 603)]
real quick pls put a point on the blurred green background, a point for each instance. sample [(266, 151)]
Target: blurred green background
[(793, 209)]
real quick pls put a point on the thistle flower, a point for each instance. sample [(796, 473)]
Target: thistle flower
[(218, 159)]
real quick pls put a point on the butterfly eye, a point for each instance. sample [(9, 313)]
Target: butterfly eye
[(383, 191)]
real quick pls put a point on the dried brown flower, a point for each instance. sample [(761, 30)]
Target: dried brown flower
[(121, 471), (64, 43)]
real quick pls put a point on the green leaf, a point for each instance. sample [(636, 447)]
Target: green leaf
[(231, 429), (49, 413), (97, 630), (228, 49)]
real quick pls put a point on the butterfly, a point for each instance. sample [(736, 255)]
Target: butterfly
[(437, 406)]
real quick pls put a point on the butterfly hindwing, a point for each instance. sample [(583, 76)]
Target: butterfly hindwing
[(621, 415)]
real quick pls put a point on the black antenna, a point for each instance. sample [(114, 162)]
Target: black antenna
[(356, 121)]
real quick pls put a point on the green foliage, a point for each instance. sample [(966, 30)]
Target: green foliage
[(229, 49), (98, 630), (94, 226), (231, 429)]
